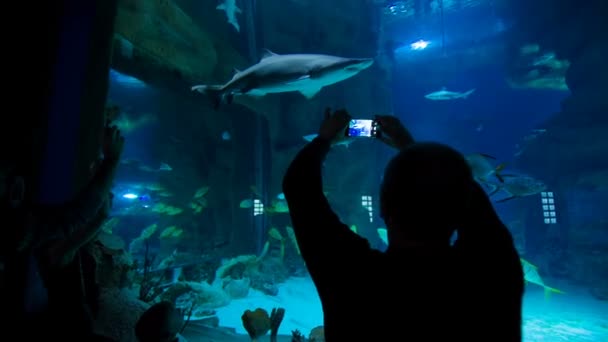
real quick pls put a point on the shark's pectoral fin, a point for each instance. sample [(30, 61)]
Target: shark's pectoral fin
[(221, 7), (506, 199), (237, 10), (310, 92)]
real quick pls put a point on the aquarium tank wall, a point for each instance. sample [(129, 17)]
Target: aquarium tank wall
[(199, 218)]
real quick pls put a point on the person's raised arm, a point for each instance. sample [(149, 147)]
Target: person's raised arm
[(327, 245), (393, 132), (81, 221)]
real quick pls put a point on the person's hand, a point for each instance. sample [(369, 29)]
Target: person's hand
[(392, 132), (113, 144), (334, 125)]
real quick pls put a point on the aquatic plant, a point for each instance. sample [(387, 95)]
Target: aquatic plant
[(257, 323), (149, 288)]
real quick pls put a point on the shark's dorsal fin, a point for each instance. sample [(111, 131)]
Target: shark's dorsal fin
[(236, 71), (267, 53)]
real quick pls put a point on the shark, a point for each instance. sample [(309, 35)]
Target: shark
[(274, 73), (231, 9), (444, 95)]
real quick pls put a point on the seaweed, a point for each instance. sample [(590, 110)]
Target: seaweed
[(149, 289)]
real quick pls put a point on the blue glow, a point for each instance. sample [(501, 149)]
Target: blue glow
[(396, 8), (129, 196), (126, 80), (419, 45)]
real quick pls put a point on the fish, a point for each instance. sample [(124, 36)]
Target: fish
[(531, 276), (518, 186), (277, 207), (165, 167), (444, 95), (128, 123), (274, 73), (226, 136), (344, 142), (231, 9), (200, 192), (137, 164), (483, 169), (246, 203)]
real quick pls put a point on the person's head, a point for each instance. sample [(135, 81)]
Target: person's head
[(425, 194)]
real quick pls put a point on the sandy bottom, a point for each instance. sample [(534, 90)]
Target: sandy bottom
[(573, 317)]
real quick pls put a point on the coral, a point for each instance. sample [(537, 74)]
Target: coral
[(317, 334), (119, 311), (203, 295), (276, 318), (296, 336), (257, 323), (161, 321), (159, 31), (237, 288), (234, 264), (114, 265)]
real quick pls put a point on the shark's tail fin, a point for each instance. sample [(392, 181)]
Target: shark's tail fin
[(214, 92), (466, 94)]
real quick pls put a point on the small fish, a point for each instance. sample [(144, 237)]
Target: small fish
[(127, 123), (246, 204), (344, 142), (165, 167), (518, 186), (277, 207), (304, 73), (275, 234), (226, 136), (254, 190), (134, 163), (202, 191), (444, 95), (231, 9)]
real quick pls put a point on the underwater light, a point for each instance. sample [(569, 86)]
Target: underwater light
[(126, 80), (396, 8), (129, 196), (419, 45)]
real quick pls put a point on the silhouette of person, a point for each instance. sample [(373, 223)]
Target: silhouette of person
[(423, 288)]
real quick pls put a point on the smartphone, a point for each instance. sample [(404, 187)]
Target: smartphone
[(362, 128)]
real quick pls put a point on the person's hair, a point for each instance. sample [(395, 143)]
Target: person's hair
[(426, 190)]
